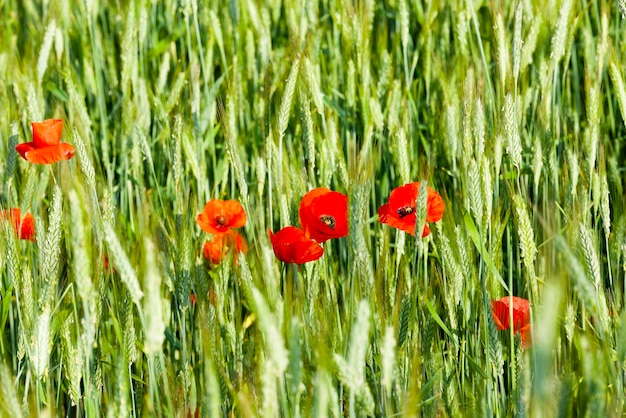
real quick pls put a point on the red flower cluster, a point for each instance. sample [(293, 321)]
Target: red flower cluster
[(501, 311), (24, 227), (46, 146), (323, 215), (219, 217), (399, 212)]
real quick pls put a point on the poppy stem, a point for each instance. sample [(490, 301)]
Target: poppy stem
[(287, 287), (486, 316), (296, 285)]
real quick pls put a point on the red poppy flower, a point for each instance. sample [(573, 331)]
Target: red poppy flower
[(24, 227), (501, 310), (46, 147), (292, 246), (399, 212), (216, 249), (219, 216), (324, 214)]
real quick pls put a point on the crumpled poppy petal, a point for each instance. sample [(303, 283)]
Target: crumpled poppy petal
[(305, 251), (27, 230), (526, 335), (383, 213), (24, 228), (241, 245), (501, 310), (23, 148), (218, 247), (214, 250), (290, 245), (500, 313), (13, 216), (323, 214), (434, 207), (47, 133), (236, 212), (45, 155)]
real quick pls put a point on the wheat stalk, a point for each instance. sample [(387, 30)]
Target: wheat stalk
[(560, 32), (153, 309), (120, 261), (517, 41), (9, 399), (46, 47)]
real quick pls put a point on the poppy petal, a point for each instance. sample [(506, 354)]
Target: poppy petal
[(213, 250), (306, 251), (501, 311), (404, 196), (207, 224), (401, 208), (399, 212), (45, 155), (434, 206), (236, 213), (27, 230), (383, 213), (304, 212), (241, 245), (13, 216), (526, 335), (406, 223), (290, 245), (324, 214), (213, 217), (218, 216), (218, 247), (24, 228), (23, 148), (47, 133), (308, 198)]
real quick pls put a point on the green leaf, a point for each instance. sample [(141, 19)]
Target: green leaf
[(473, 233)]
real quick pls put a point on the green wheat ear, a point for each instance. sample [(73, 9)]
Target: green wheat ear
[(9, 401)]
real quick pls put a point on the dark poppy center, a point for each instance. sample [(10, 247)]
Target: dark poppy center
[(328, 220), (405, 210), (220, 220)]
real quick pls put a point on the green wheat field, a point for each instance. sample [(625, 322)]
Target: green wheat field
[(513, 111)]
